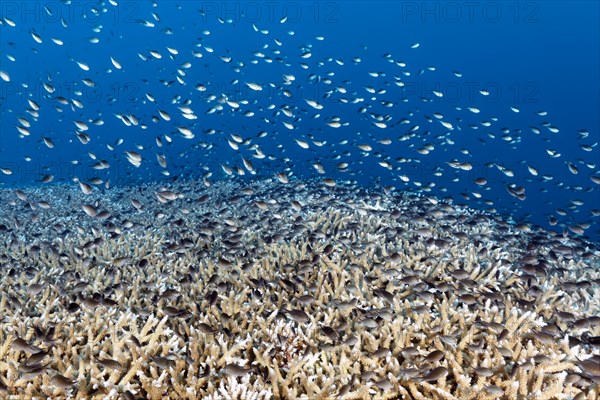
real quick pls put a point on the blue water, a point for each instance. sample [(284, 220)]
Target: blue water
[(530, 55)]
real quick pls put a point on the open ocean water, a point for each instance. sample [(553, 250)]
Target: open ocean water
[(361, 62), (213, 175)]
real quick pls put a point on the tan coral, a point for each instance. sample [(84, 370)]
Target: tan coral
[(181, 323)]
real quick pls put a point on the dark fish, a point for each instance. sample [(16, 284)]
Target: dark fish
[(297, 315), (434, 374), (62, 382), (22, 345), (109, 363), (173, 312), (206, 329), (235, 370), (434, 356), (485, 372), (163, 362)]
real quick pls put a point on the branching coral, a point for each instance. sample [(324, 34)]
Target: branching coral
[(345, 294)]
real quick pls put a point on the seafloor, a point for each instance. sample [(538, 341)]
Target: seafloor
[(266, 290)]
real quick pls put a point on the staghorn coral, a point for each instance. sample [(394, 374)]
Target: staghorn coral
[(343, 294)]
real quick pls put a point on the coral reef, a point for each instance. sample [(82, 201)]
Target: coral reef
[(262, 290)]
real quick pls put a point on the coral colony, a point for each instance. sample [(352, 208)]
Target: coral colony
[(288, 291)]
